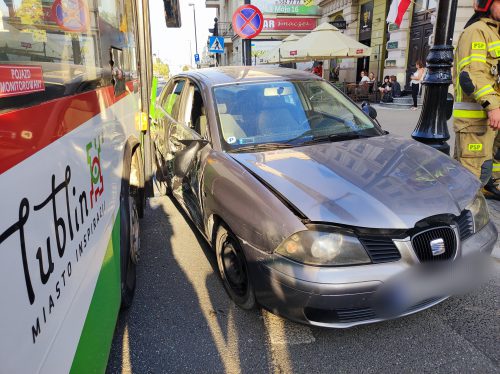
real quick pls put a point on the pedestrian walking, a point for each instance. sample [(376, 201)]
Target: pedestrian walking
[(416, 80), (476, 110)]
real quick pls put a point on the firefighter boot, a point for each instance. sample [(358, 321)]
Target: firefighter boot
[(491, 191)]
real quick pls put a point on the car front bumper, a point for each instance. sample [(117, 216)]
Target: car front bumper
[(342, 297)]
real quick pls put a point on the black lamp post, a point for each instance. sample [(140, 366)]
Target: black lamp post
[(432, 128)]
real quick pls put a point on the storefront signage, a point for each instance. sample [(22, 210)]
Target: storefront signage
[(293, 24), (297, 7), (392, 45), (390, 63), (20, 80)]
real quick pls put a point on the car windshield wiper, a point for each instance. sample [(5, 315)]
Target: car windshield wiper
[(303, 135), (262, 147), (335, 138)]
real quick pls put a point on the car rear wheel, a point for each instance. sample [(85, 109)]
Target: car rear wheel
[(233, 269)]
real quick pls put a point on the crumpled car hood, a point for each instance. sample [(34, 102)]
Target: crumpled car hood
[(379, 182)]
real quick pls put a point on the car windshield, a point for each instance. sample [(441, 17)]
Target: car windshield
[(288, 113)]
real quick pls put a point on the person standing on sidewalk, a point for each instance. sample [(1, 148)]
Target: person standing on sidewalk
[(476, 110), (416, 79)]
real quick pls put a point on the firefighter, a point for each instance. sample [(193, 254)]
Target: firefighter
[(476, 110)]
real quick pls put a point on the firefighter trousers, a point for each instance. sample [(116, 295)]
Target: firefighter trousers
[(474, 149)]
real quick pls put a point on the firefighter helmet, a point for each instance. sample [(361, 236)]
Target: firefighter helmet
[(482, 5)]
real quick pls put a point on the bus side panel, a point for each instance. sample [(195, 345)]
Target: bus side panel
[(97, 335), (59, 208)]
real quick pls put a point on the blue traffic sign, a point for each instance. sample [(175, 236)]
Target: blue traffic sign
[(196, 57), (216, 44)]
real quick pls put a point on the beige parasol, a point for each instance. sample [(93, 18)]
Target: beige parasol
[(323, 43), (275, 55)]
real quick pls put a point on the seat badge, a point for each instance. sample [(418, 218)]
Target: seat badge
[(437, 247)]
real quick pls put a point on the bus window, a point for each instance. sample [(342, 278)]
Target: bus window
[(53, 48)]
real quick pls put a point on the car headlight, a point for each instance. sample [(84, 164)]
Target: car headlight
[(324, 246), (479, 210)]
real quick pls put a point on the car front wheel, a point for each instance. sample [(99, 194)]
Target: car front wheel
[(233, 269)]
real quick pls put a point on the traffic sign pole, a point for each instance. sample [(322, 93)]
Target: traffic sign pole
[(247, 47), (248, 22)]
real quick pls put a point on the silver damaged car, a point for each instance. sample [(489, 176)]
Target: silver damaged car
[(314, 212)]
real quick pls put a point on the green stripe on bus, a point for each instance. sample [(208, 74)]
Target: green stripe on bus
[(95, 341)]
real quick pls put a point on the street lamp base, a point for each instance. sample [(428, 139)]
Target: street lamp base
[(441, 146)]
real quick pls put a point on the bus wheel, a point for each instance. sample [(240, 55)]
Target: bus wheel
[(129, 241)]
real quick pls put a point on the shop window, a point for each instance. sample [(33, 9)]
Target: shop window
[(424, 5), (59, 48)]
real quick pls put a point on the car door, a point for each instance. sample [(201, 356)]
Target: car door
[(191, 132), (168, 110)]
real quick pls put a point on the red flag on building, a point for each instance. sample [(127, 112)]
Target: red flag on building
[(397, 11)]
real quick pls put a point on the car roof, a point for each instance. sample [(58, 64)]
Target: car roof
[(245, 74)]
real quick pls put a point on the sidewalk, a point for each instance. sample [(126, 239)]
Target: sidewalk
[(402, 122)]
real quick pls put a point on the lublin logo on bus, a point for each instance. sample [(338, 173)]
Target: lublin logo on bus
[(72, 219)]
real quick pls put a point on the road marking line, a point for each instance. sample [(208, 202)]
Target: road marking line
[(282, 332), (126, 363)]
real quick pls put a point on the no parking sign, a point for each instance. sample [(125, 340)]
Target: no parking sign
[(248, 21)]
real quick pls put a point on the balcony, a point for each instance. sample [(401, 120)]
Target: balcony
[(213, 3), (225, 29)]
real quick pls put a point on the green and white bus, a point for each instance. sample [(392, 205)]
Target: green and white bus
[(75, 78)]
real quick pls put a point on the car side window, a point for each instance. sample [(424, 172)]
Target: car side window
[(195, 113), (171, 98)]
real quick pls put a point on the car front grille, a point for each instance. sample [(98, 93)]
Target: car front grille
[(424, 303), (339, 315), (465, 224), (353, 315), (422, 244), (349, 315), (380, 249)]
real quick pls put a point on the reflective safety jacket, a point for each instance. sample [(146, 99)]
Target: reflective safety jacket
[(475, 72)]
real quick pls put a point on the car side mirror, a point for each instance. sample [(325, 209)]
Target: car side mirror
[(184, 159), (369, 110), (449, 106)]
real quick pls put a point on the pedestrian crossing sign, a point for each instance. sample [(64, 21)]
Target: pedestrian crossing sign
[(216, 44)]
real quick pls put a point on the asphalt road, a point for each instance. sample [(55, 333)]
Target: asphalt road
[(182, 321)]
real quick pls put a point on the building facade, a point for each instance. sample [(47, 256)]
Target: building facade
[(280, 20), (395, 50)]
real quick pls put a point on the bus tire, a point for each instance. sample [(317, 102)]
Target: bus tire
[(129, 239)]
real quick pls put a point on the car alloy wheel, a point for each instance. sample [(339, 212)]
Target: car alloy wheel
[(233, 269)]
